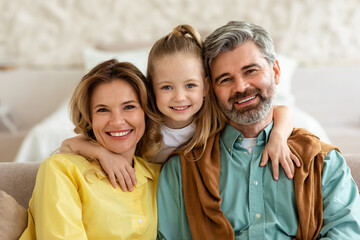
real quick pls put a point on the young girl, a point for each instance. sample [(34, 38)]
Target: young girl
[(182, 114)]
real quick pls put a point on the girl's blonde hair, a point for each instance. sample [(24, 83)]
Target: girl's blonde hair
[(184, 39), (106, 72)]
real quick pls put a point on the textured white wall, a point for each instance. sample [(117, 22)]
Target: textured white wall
[(53, 33)]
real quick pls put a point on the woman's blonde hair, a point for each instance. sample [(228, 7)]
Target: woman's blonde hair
[(106, 72), (183, 39)]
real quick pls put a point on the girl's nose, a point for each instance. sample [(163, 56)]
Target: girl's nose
[(180, 95)]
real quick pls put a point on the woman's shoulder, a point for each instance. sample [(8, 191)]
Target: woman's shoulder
[(66, 160), (154, 168)]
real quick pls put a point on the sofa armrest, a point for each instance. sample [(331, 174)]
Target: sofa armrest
[(18, 180), (353, 161)]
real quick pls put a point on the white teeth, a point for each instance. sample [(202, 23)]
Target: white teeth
[(245, 100), (119, 134), (181, 108)]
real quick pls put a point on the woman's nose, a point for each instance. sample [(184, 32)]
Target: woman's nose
[(117, 119)]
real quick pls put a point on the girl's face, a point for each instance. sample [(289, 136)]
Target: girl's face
[(178, 82), (117, 117)]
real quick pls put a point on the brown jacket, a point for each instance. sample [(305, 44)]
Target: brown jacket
[(201, 188)]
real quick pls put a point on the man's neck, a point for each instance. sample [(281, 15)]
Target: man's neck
[(253, 130)]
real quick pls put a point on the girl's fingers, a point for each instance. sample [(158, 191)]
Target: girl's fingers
[(113, 180), (121, 181), (131, 172), (127, 180), (275, 167), (295, 159)]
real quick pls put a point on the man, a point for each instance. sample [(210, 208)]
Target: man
[(226, 195)]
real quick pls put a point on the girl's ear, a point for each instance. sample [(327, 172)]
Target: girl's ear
[(277, 71)]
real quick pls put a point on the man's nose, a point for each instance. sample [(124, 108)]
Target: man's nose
[(240, 84)]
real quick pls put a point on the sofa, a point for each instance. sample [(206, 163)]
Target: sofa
[(17, 181)]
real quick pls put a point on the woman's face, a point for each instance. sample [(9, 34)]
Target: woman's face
[(117, 117)]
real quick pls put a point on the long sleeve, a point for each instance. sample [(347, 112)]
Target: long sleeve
[(341, 215), (56, 185), (173, 223)]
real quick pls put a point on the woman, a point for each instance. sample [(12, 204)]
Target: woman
[(73, 198)]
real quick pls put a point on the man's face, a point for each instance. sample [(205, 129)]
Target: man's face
[(244, 84)]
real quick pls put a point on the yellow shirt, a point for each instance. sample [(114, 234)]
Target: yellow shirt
[(66, 205)]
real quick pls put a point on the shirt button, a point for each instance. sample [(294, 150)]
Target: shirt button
[(229, 149), (140, 220), (258, 215), (255, 183), (239, 138)]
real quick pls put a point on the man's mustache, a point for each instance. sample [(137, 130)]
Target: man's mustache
[(241, 95)]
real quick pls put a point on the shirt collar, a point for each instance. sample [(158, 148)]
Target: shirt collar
[(143, 171), (230, 135)]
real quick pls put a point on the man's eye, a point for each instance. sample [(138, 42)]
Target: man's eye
[(166, 87), (190, 85), (250, 71), (225, 80)]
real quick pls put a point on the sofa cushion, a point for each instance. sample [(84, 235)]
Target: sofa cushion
[(13, 219)]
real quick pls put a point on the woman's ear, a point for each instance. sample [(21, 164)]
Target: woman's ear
[(277, 71)]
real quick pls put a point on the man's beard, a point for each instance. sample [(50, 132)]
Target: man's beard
[(250, 114)]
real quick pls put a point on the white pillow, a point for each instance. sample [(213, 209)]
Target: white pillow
[(138, 57), (287, 67)]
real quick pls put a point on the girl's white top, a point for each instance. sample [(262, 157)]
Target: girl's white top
[(172, 139)]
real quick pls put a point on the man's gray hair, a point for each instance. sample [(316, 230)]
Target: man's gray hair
[(234, 34)]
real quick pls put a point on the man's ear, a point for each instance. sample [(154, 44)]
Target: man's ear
[(277, 71), (206, 85)]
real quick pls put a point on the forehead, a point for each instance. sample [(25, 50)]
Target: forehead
[(117, 89), (243, 55), (178, 65)]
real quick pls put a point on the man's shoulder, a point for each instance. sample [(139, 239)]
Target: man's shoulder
[(303, 142)]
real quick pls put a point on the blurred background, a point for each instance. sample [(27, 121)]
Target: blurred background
[(46, 47)]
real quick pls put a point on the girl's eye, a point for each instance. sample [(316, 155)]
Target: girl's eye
[(190, 85), (102, 110), (166, 87)]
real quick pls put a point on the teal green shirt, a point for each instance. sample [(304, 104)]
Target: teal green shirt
[(257, 206)]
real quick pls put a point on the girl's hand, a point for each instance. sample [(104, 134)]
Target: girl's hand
[(278, 151), (113, 164), (117, 167)]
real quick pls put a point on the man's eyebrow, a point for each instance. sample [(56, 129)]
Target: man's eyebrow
[(242, 69), (250, 66)]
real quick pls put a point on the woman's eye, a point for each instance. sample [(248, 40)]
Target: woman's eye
[(129, 107), (190, 85), (102, 110), (166, 87)]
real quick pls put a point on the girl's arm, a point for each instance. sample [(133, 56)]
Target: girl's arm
[(113, 164), (277, 149)]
